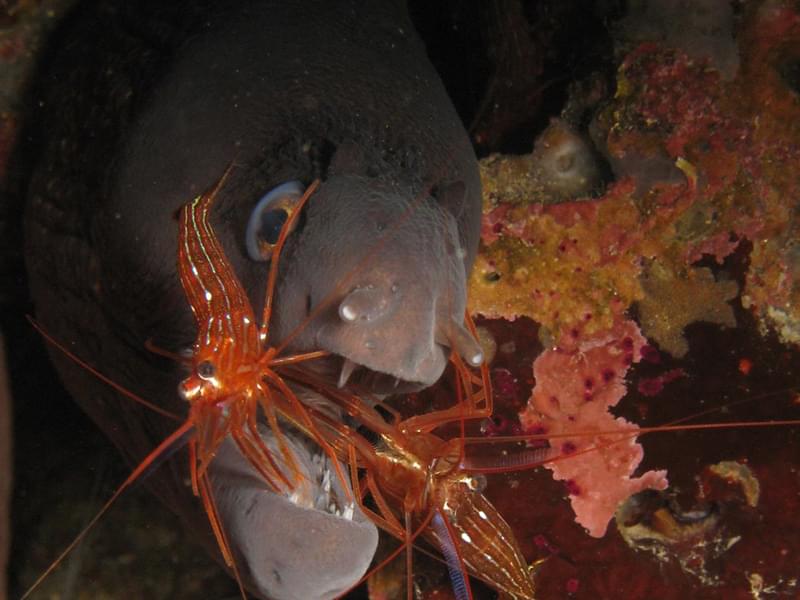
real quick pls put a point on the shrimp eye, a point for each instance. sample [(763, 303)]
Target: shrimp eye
[(477, 482), (269, 217), (206, 370)]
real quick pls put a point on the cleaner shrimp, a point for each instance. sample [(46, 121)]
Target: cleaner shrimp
[(232, 375)]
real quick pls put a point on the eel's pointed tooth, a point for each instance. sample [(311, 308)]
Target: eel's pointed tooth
[(348, 366)]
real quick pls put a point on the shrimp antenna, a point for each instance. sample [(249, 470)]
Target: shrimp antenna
[(175, 441), (272, 278), (104, 378), (532, 458), (151, 346)]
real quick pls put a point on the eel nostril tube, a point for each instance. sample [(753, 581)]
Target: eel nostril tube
[(368, 304), (461, 341)]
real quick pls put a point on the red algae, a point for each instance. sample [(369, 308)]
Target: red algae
[(572, 586), (574, 389)]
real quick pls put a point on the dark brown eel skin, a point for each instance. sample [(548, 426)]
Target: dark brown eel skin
[(140, 106)]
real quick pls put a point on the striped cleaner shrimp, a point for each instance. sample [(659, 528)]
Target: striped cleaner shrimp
[(232, 378)]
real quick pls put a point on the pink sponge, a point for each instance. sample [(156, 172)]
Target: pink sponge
[(575, 386)]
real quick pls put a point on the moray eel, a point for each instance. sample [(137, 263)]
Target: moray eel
[(139, 107)]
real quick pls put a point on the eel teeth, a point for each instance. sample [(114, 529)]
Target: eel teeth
[(348, 366)]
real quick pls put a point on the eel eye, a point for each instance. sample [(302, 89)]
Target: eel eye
[(206, 370), (268, 218)]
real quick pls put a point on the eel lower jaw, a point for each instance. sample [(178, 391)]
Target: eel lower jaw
[(314, 486), (309, 542), (317, 487)]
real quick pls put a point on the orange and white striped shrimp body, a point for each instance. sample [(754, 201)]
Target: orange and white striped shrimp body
[(226, 377), (420, 486), (228, 364), (233, 379), (487, 543), (422, 475)]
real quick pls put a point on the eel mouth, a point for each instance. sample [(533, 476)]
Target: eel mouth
[(392, 361), (340, 371), (310, 541), (315, 488), (318, 488), (376, 382)]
